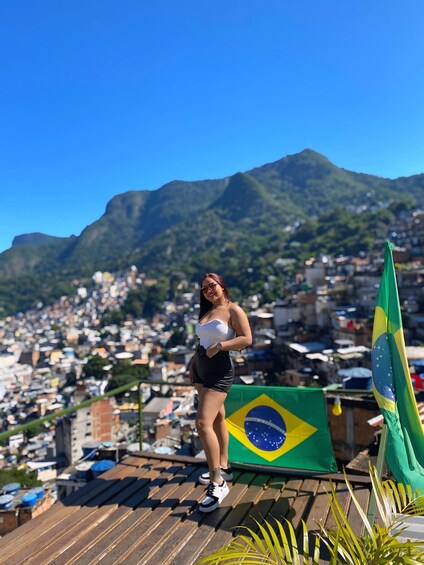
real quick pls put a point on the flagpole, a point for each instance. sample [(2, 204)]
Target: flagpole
[(372, 507)]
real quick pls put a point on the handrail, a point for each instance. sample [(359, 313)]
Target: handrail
[(70, 409), (124, 388)]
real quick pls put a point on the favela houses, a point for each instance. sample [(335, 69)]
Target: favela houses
[(211, 283), (100, 455)]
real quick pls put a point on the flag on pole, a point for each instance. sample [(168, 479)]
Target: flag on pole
[(279, 426), (392, 384)]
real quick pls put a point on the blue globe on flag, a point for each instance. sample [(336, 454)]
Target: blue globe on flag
[(265, 428), (382, 367)]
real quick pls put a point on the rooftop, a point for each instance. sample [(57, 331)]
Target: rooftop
[(145, 510)]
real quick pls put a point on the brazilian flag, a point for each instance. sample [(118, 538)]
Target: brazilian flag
[(392, 384), (279, 426)]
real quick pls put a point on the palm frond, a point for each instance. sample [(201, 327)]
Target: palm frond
[(276, 547), (280, 544), (380, 544)]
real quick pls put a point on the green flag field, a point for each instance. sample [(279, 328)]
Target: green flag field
[(392, 384), (279, 426)]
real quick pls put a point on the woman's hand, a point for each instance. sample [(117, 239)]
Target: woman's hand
[(212, 350)]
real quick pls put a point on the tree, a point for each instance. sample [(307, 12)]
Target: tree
[(95, 367), (134, 303), (71, 380), (113, 317), (20, 476), (156, 295), (124, 373)]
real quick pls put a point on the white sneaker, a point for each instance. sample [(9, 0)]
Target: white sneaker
[(226, 474), (215, 494)]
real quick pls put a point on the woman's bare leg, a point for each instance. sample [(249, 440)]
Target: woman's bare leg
[(210, 404), (221, 430)]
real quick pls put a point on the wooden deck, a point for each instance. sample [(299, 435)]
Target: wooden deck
[(144, 510)]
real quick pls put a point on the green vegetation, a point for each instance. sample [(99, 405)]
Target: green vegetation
[(113, 317), (71, 380), (20, 476), (238, 226), (95, 367), (278, 543), (144, 302), (340, 232), (124, 373)]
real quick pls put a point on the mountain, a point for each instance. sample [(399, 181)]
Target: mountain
[(35, 239), (315, 185), (30, 252), (234, 225)]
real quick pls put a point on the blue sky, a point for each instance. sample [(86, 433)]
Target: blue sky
[(101, 97)]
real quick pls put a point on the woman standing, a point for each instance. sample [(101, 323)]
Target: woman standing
[(223, 326)]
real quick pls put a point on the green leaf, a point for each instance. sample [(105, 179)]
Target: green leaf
[(276, 542), (293, 541), (268, 541), (285, 540), (359, 509)]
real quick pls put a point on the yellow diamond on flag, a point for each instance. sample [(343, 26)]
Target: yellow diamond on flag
[(268, 429)]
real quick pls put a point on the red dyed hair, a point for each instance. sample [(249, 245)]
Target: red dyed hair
[(205, 305)]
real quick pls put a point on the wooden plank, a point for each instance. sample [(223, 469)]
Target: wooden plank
[(303, 474), (280, 508), (274, 499), (72, 525), (186, 459), (184, 537), (94, 488), (155, 547), (283, 507), (303, 501), (139, 540), (318, 512), (344, 499), (261, 510), (145, 511), (135, 461), (237, 516), (355, 521), (44, 524), (66, 546), (180, 537), (263, 506), (137, 493), (16, 538), (289, 500), (183, 534), (320, 507), (118, 523), (363, 494), (82, 496), (216, 522), (254, 493), (133, 523)]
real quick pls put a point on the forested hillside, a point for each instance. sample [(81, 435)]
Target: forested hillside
[(239, 226)]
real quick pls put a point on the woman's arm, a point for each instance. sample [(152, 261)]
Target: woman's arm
[(241, 326)]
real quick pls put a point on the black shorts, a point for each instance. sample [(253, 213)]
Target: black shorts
[(215, 372)]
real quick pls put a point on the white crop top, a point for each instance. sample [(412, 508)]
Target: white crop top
[(213, 331)]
